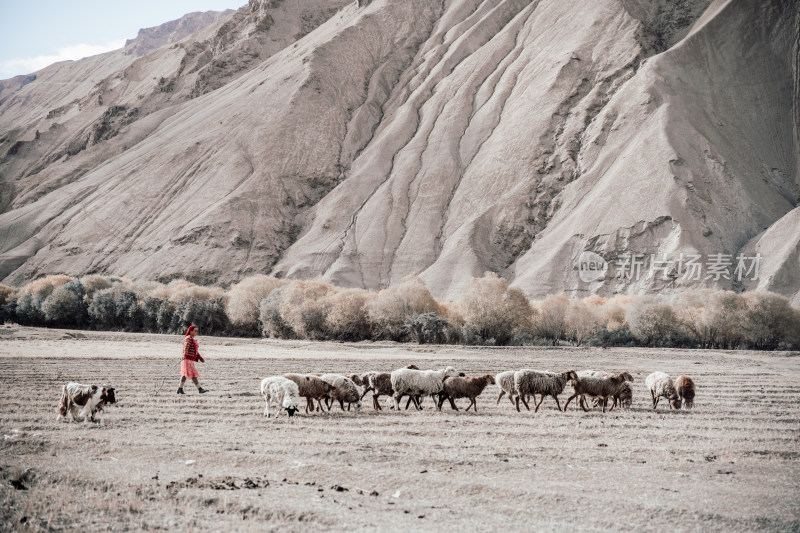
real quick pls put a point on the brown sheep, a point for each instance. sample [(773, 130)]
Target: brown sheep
[(380, 383), (311, 388), (467, 387), (624, 397), (685, 387), (602, 387)]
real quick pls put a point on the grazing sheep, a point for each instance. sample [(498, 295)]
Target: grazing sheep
[(660, 384), (624, 395), (281, 391), (685, 387), (602, 387), (419, 383), (344, 390), (533, 382), (472, 387), (505, 380), (311, 388)]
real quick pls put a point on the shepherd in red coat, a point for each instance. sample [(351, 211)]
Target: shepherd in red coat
[(190, 355)]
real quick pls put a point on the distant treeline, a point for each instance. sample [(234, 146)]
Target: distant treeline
[(488, 313)]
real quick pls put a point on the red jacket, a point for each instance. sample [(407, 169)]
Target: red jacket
[(190, 350)]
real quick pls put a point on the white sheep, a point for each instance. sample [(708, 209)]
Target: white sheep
[(283, 392), (505, 380), (419, 383), (533, 382), (660, 384), (344, 390)]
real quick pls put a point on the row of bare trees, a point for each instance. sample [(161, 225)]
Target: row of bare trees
[(489, 312)]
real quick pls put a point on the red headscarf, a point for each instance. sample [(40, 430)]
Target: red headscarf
[(190, 347)]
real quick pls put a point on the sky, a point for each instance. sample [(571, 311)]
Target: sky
[(34, 34)]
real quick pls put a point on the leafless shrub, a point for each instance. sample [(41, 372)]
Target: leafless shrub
[(653, 322), (180, 290), (493, 312), (551, 322), (5, 293), (712, 319), (770, 322), (581, 322), (207, 314), (93, 283), (65, 307), (269, 315), (244, 299), (390, 309), (6, 299), (347, 317), (428, 328), (115, 308), (29, 298)]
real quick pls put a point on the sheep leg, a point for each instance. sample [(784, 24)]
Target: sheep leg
[(604, 403), (525, 403), (536, 409), (653, 397), (266, 409), (410, 398), (502, 392), (452, 404), (375, 404), (613, 404), (558, 404), (416, 402), (366, 390), (396, 397), (583, 404), (341, 404), (568, 400)]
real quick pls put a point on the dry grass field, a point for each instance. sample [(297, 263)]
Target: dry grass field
[(732, 464)]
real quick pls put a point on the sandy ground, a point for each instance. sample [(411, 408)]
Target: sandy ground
[(731, 464)]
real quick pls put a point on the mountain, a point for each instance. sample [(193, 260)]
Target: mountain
[(366, 141)]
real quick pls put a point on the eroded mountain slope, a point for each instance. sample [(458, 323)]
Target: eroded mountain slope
[(438, 138)]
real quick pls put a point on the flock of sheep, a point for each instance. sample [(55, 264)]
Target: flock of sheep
[(284, 392)]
